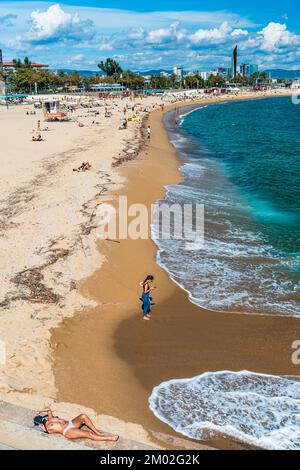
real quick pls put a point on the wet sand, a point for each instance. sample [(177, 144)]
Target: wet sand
[(108, 359)]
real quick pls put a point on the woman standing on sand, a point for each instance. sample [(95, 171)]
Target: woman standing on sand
[(147, 288)]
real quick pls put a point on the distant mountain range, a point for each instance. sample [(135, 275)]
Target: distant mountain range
[(273, 73), (84, 73), (282, 73)]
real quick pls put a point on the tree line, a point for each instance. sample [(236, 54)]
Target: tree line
[(27, 79)]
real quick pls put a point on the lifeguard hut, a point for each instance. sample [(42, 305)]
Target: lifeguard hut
[(53, 110)]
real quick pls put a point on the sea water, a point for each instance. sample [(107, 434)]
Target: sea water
[(255, 409), (242, 161)]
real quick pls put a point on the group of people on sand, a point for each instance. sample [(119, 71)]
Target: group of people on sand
[(38, 138), (85, 166)]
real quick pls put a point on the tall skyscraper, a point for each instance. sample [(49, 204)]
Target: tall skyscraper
[(247, 70), (178, 72), (234, 62)]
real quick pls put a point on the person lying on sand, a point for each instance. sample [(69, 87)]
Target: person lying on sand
[(83, 167), (71, 429), (37, 139)]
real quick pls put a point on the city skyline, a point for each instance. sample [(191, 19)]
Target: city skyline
[(77, 35)]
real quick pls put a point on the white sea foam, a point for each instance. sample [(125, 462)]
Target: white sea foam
[(236, 269), (255, 409), (183, 116)]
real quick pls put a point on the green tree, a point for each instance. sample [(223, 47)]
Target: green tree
[(18, 64), (110, 67), (241, 80), (27, 63), (193, 82), (130, 80), (23, 80), (216, 80), (258, 78)]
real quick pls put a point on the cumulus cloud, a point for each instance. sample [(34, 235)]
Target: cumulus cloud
[(54, 25), (276, 35), (239, 33), (201, 39), (159, 36), (216, 35)]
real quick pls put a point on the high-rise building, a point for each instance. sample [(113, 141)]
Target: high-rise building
[(1, 61), (178, 72), (234, 62), (204, 75), (247, 70), (222, 72)]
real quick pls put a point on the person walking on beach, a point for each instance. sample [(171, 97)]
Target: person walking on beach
[(149, 132), (146, 299)]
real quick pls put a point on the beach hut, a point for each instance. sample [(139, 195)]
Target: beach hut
[(52, 110)]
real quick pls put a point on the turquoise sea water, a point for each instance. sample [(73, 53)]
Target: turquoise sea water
[(242, 161)]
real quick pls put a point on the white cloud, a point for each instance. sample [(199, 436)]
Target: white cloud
[(158, 36), (217, 35), (105, 47), (211, 36), (77, 57), (53, 25), (164, 35), (239, 33), (201, 39), (276, 35), (137, 34)]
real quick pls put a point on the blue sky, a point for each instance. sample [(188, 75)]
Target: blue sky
[(141, 35)]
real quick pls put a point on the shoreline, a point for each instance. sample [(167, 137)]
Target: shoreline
[(171, 126), (117, 341)]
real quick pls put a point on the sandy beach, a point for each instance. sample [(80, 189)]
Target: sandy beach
[(125, 357), (70, 312)]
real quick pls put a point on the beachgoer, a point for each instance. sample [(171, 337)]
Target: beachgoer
[(149, 132), (85, 166), (147, 288), (37, 139), (71, 429)]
